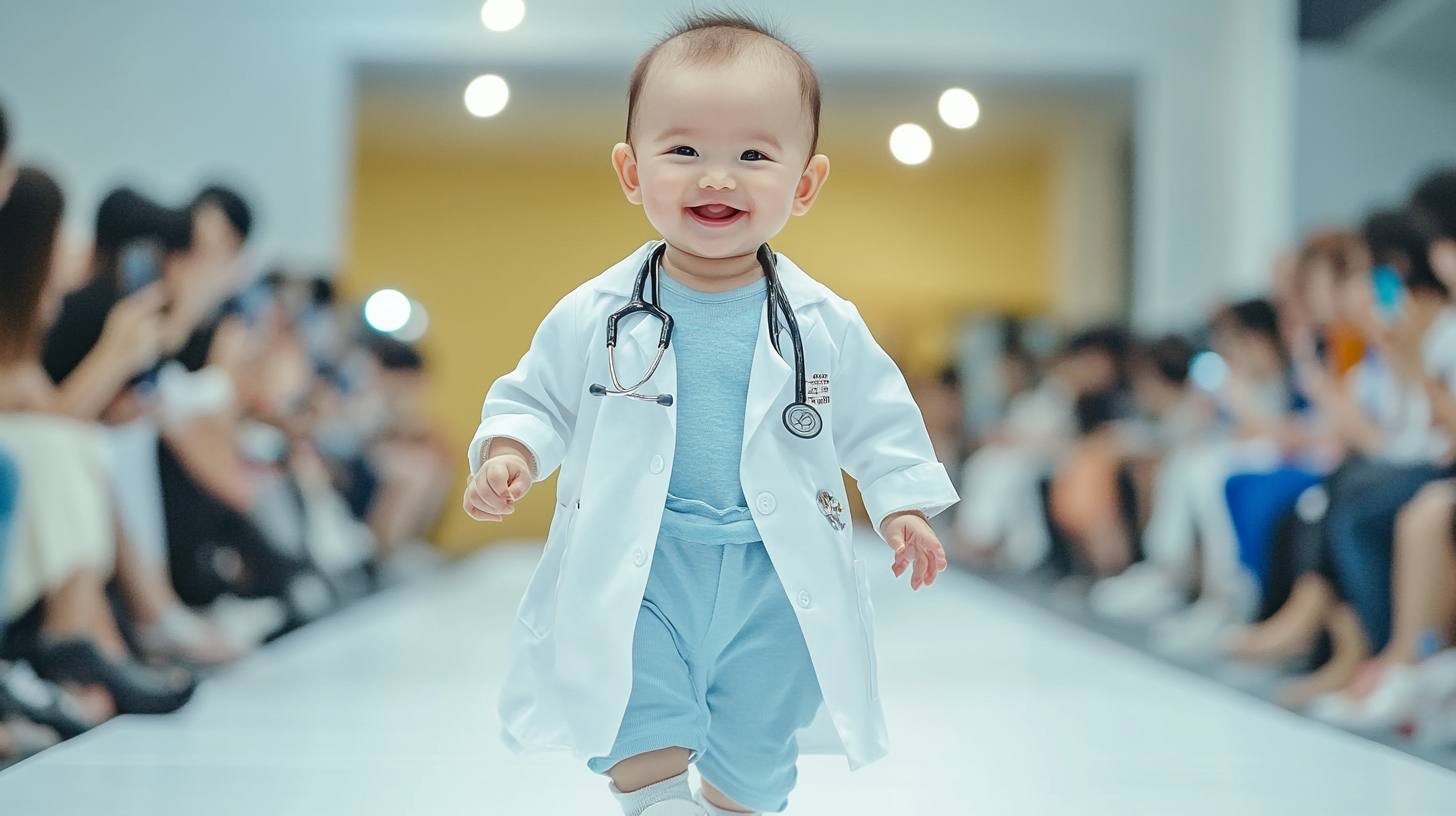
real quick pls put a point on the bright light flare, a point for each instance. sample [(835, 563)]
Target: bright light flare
[(959, 108), (387, 310), (486, 95), (910, 144), (502, 15)]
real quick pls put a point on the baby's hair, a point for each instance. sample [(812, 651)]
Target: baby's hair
[(719, 36)]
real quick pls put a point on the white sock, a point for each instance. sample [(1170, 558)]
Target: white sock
[(714, 810), (643, 798)]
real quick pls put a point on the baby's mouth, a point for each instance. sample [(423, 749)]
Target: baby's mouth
[(716, 215)]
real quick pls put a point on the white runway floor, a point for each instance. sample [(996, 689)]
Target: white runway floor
[(995, 707)]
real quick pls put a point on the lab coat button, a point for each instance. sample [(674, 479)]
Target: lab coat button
[(655, 465), (639, 557), (766, 503), (803, 599)]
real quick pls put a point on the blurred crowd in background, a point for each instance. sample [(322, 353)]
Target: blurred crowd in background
[(1273, 487), (195, 456)]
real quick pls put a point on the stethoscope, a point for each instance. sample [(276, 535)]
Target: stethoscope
[(800, 418)]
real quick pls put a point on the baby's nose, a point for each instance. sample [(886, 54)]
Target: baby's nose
[(717, 181)]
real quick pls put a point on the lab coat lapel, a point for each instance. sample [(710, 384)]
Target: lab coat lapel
[(766, 382)]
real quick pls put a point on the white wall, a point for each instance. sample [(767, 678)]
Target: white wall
[(169, 92), (1366, 135)]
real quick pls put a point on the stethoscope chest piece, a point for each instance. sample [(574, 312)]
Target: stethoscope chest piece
[(803, 420)]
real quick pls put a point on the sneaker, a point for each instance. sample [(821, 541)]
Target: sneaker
[(248, 622), (1332, 708), (1140, 594), (1394, 701), (1196, 632), (181, 635), (1436, 720)]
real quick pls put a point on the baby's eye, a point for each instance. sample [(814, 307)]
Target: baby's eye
[(684, 150), (752, 155)]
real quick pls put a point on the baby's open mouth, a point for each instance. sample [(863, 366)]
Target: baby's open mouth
[(716, 214)]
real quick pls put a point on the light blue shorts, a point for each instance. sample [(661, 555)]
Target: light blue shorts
[(719, 667)]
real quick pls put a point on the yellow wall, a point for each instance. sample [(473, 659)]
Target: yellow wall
[(489, 244)]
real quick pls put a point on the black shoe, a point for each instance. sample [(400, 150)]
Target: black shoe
[(22, 694), (135, 688)]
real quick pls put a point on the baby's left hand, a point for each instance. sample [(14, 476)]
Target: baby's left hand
[(914, 544)]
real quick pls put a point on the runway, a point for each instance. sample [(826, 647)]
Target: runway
[(995, 707)]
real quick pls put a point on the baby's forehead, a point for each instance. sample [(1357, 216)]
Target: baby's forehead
[(755, 55)]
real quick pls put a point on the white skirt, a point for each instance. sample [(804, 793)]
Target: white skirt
[(64, 519)]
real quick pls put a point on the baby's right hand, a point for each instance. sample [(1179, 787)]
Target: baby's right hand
[(496, 487)]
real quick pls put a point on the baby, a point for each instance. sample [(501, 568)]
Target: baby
[(672, 620)]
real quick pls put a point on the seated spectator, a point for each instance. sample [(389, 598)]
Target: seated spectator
[(1418, 606), (1085, 500), (1190, 541), (1383, 413), (66, 550), (1332, 283), (411, 460), (1002, 516)]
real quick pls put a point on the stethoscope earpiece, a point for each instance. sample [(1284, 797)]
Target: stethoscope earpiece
[(800, 418)]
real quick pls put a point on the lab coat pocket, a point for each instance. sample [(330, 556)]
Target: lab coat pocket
[(537, 611), (867, 620)]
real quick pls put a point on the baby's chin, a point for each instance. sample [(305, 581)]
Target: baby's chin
[(732, 241)]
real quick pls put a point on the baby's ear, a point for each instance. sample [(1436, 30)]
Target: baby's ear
[(624, 161), (816, 172)]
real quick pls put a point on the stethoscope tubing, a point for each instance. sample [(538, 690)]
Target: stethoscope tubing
[(799, 418)]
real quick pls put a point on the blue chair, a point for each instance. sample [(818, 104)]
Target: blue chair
[(1256, 501)]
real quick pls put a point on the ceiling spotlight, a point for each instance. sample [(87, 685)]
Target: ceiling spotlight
[(387, 310), (910, 144), (959, 108), (502, 15), (486, 95)]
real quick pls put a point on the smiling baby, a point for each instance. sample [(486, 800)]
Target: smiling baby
[(672, 621)]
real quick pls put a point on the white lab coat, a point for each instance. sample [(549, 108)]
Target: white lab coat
[(571, 661)]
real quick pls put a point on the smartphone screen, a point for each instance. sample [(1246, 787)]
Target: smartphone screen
[(1389, 292), (139, 265)]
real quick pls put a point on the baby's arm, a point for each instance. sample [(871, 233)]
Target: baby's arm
[(528, 417), (881, 441)]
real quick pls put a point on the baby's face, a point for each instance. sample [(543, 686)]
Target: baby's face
[(720, 154)]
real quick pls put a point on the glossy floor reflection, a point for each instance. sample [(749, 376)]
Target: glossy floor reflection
[(995, 707)]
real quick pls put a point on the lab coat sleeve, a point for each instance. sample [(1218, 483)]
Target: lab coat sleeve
[(879, 434), (537, 403)]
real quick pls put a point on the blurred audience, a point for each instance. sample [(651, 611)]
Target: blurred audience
[(1283, 494), (192, 461)]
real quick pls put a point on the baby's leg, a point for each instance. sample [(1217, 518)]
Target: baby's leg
[(761, 688), (663, 724), (666, 719), (637, 772)]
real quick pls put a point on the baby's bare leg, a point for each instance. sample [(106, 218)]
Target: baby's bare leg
[(637, 772), (720, 800)]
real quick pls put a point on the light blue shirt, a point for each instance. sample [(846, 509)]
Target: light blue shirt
[(713, 338)]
